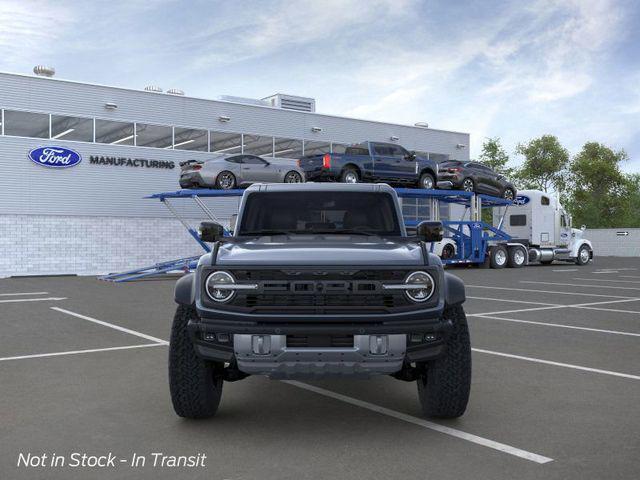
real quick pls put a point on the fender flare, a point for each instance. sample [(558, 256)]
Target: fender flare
[(578, 244), (185, 291), (454, 292)]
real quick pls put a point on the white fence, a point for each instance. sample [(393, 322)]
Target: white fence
[(614, 242)]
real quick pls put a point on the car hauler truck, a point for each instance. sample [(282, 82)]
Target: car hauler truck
[(539, 225)]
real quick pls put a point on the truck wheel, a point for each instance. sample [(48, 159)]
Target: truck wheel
[(517, 257), (499, 257), (444, 385), (427, 181), (584, 255), (349, 175), (195, 384)]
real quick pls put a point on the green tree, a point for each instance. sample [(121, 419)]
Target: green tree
[(494, 156), (599, 193), (545, 164)]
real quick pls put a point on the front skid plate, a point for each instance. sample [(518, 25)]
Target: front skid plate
[(287, 362)]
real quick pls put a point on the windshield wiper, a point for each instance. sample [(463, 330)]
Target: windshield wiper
[(271, 232), (345, 231)]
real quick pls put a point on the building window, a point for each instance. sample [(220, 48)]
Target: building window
[(157, 136), (257, 145), (316, 148), (287, 148), (225, 143), (115, 133), (338, 148), (71, 128), (190, 139), (26, 124)]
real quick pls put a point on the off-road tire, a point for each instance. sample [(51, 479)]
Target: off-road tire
[(425, 177), (496, 258), (444, 385), (195, 384)]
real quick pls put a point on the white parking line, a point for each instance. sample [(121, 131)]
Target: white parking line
[(629, 276), (485, 442), (549, 291), (588, 306), (581, 285), (566, 270), (558, 364), (19, 300), (511, 301), (111, 325), (26, 293), (605, 280), (558, 325), (77, 352)]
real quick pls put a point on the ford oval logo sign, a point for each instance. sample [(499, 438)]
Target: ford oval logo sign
[(55, 157), (521, 200)]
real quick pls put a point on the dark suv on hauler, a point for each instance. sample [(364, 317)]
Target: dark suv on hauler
[(320, 280)]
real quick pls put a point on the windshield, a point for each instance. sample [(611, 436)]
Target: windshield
[(365, 213)]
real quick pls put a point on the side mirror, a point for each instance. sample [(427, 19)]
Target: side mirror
[(232, 222), (210, 231), (410, 156), (430, 231)]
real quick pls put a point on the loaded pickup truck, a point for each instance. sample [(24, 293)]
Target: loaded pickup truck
[(372, 162), (319, 280)]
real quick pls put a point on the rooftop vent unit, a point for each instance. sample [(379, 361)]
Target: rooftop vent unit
[(43, 71), (291, 102), (244, 100), (175, 91), (153, 88)]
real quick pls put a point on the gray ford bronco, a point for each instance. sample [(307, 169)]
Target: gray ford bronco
[(320, 280)]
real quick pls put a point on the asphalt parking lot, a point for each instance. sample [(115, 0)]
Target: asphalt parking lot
[(555, 394)]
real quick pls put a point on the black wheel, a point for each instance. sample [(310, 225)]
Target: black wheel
[(349, 175), (499, 257), (508, 194), (427, 181), (448, 251), (546, 262), (444, 385), (293, 177), (517, 257), (468, 185), (584, 255), (195, 384), (226, 180)]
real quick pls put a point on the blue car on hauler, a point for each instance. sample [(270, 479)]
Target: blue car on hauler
[(372, 162)]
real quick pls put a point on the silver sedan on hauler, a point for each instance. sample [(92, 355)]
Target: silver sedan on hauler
[(236, 171)]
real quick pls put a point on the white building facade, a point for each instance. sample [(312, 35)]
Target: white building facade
[(92, 218)]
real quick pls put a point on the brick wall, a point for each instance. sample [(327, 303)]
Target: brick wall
[(611, 242), (47, 244)]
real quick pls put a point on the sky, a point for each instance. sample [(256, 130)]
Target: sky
[(509, 69)]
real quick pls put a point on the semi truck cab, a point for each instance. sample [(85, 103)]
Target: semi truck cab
[(538, 221)]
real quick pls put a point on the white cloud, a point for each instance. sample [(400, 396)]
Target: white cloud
[(29, 30)]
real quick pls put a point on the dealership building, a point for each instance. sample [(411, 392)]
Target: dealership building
[(92, 217)]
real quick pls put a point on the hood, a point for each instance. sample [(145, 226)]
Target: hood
[(319, 250)]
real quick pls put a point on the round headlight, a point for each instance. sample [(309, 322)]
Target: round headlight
[(215, 286), (425, 286)]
